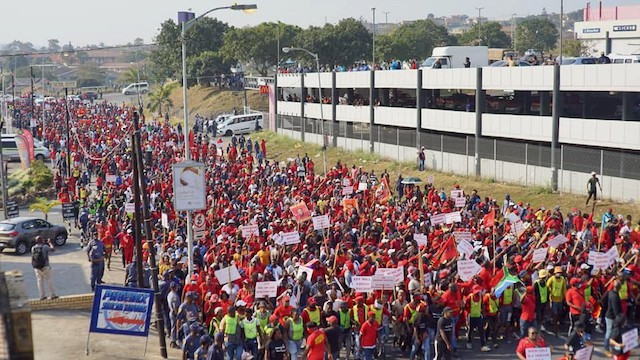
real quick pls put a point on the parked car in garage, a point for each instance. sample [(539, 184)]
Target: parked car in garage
[(20, 233)]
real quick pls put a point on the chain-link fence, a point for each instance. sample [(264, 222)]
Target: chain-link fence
[(509, 160)]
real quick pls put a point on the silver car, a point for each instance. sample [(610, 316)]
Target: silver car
[(20, 233)]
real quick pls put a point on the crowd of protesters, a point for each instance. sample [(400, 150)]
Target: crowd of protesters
[(377, 225)]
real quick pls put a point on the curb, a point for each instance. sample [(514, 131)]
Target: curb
[(71, 302)]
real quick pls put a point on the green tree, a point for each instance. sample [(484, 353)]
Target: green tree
[(206, 64), (491, 35), (345, 43), (44, 206), (575, 47), (413, 41), (90, 75), (129, 76), (54, 45), (536, 33), (258, 45), (160, 97)]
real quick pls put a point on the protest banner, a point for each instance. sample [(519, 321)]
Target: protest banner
[(457, 194), (130, 208), (346, 182), (111, 178), (362, 186), (584, 353), (630, 339), (613, 255), (598, 260), (396, 273), (557, 241), (453, 217), (277, 239), (361, 283), (438, 219), (465, 248), (300, 211), (539, 255), (249, 230), (513, 218), (460, 202), (467, 269), (382, 282), (266, 289), (431, 179), (463, 235), (291, 238), (541, 353), (421, 239), (121, 310), (308, 272), (321, 222), (227, 275), (347, 190), (164, 219)]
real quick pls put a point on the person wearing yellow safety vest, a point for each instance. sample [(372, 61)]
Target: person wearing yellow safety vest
[(358, 317), (491, 311), (542, 297), (230, 327), (311, 312), (346, 324), (295, 334), (557, 290), (475, 309), (251, 330)]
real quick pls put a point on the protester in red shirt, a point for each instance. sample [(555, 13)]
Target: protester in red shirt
[(533, 340), (317, 344), (575, 301), (369, 336), (528, 311)]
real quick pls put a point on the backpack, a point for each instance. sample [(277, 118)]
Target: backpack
[(38, 260)]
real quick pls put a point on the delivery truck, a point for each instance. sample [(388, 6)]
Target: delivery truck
[(449, 57)]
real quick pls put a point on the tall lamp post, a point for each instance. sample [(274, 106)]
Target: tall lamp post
[(479, 22), (373, 45), (186, 25), (315, 56), (561, 27)]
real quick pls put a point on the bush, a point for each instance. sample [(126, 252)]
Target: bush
[(40, 176)]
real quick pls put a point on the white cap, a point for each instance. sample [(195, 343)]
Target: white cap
[(241, 303)]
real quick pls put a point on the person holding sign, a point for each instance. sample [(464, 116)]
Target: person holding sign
[(533, 340)]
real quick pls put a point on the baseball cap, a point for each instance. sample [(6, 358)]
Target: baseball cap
[(447, 309), (332, 319)]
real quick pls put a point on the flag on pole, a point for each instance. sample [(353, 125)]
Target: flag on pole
[(506, 281)]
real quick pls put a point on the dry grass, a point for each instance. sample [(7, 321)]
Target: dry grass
[(209, 101), (280, 148)]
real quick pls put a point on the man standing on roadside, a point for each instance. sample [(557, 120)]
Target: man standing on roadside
[(591, 187), (40, 262), (96, 251)]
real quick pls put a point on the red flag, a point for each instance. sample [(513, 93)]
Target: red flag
[(382, 193), (490, 219), (449, 250)]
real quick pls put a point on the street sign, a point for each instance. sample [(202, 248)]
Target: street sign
[(12, 209), (68, 211), (199, 221), (63, 84)]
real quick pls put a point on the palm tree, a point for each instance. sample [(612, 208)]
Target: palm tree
[(160, 97), (44, 206), (129, 76)]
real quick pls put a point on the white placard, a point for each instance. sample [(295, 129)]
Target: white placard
[(613, 254), (467, 269), (321, 222), (227, 275), (465, 248), (427, 280), (539, 255), (189, 186), (308, 271), (453, 217), (382, 282), (361, 283), (249, 230), (170, 143), (347, 190), (456, 193), (512, 217), (396, 273), (460, 202), (421, 239), (542, 353), (346, 182), (277, 239), (266, 289), (362, 186), (164, 219), (598, 260), (557, 241), (630, 340), (431, 179), (291, 238), (438, 219), (518, 227), (463, 235), (584, 353), (130, 208), (111, 178)]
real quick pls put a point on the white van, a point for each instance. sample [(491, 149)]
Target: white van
[(624, 59), (10, 148), (241, 124), (136, 88), (455, 56)]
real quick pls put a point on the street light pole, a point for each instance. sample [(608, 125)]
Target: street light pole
[(186, 25), (373, 47), (324, 143), (561, 27), (479, 22)]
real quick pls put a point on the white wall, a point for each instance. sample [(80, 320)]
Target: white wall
[(450, 121), (518, 78), (352, 113), (289, 80), (353, 79), (311, 80), (312, 110), (613, 77), (536, 128), (398, 79), (607, 133), (395, 116), (289, 108), (449, 78)]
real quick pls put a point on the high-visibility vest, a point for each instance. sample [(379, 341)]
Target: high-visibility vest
[(213, 326), (475, 307), (263, 319), (624, 294), (507, 296), (556, 287), (314, 315), (493, 306), (544, 291), (250, 328), (587, 293), (345, 320), (414, 313), (378, 313), (297, 330), (231, 323), (356, 317)]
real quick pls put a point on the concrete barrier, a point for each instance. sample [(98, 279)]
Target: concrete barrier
[(71, 302)]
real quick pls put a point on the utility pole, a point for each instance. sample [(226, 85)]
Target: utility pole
[(373, 48), (561, 27), (514, 25), (478, 24)]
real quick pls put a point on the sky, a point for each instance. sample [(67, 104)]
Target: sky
[(83, 22)]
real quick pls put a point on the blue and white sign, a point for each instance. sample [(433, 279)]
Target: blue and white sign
[(591, 31), (121, 311), (625, 28)]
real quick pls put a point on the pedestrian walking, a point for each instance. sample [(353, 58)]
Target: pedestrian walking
[(421, 158), (40, 262), (591, 187), (95, 252)]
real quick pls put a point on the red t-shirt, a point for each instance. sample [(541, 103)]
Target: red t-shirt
[(369, 334), (574, 297), (316, 344), (525, 344), (528, 308), (452, 300)]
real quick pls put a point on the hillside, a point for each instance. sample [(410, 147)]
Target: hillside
[(208, 101)]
